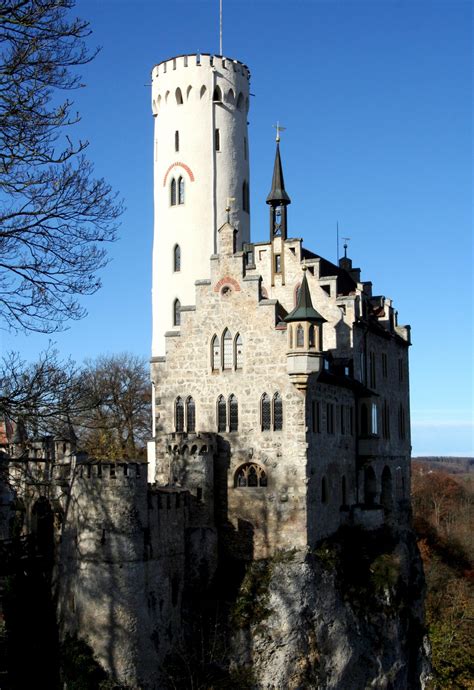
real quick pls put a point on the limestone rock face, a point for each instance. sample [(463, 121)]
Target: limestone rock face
[(331, 621)]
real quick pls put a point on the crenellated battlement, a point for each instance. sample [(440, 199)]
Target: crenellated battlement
[(115, 471), (183, 443), (200, 60)]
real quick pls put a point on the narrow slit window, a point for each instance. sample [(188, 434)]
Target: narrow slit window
[(177, 313), (216, 353), (299, 336), (176, 141), (233, 414), (277, 412), (179, 414), (190, 415), (277, 263), (266, 413), (173, 192), (227, 347), (177, 258), (239, 350), (217, 139), (221, 414), (181, 190)]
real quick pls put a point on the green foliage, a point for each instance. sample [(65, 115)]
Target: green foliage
[(385, 571), (251, 606)]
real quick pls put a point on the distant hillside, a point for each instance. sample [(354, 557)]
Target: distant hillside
[(452, 465)]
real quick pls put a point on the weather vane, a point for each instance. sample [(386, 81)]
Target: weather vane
[(279, 129)]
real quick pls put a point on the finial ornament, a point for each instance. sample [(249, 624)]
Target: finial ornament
[(346, 240), (304, 266), (230, 199), (279, 129)]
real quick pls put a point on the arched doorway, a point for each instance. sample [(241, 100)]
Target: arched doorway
[(370, 486), (386, 497)]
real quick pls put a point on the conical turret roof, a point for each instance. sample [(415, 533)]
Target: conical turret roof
[(278, 193), (304, 310)]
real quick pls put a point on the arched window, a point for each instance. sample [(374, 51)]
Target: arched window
[(299, 336), (233, 413), (240, 101), (343, 491), (311, 336), (277, 412), (202, 92), (176, 141), (239, 351), (179, 414), (177, 258), (324, 490), (216, 353), (190, 415), (227, 348), (176, 313), (217, 95), (179, 96), (250, 475), (173, 192), (181, 190), (188, 92), (374, 425), (266, 412), (221, 414), (370, 486), (230, 97)]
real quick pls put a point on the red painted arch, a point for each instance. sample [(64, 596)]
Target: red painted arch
[(181, 165)]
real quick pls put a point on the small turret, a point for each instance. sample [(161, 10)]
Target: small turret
[(305, 338), (278, 199)]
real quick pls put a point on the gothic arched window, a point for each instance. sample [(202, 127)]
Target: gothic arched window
[(179, 96), (181, 190), (216, 353), (221, 414), (173, 192), (240, 101), (299, 336), (311, 340), (217, 95), (250, 475), (239, 351), (179, 414), (277, 412), (190, 415), (266, 412), (176, 313), (227, 348), (233, 413), (177, 258)]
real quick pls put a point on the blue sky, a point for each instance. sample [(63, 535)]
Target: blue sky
[(376, 97)]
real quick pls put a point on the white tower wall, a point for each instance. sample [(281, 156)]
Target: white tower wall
[(210, 177)]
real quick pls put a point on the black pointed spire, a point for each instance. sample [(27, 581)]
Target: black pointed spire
[(278, 200), (304, 310), (278, 195)]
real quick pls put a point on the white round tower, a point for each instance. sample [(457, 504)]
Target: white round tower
[(201, 166)]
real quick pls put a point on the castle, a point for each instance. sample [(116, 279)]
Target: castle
[(280, 399)]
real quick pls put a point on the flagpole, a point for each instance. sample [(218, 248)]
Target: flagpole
[(220, 27)]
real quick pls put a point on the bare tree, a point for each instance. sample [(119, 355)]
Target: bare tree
[(54, 216), (41, 396), (116, 400)]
